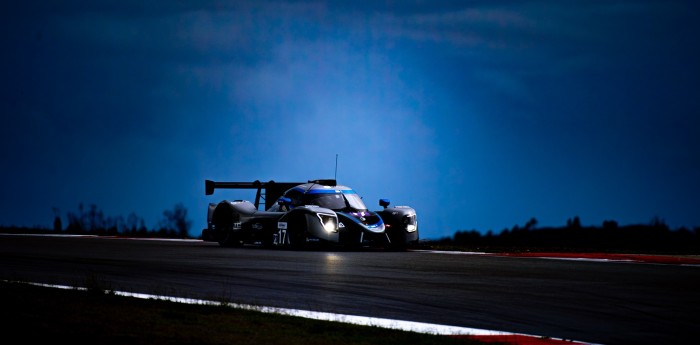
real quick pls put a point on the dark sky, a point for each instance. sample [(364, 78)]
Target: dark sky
[(479, 114)]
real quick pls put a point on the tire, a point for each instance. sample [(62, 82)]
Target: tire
[(227, 238), (226, 234), (297, 239)]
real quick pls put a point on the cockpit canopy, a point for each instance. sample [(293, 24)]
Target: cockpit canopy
[(337, 198)]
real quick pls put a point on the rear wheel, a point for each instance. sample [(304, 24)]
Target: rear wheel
[(228, 237), (228, 229)]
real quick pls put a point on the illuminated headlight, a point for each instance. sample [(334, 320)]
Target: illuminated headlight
[(411, 223), (329, 222)]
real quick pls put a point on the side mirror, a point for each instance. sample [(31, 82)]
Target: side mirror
[(384, 202), (284, 201)]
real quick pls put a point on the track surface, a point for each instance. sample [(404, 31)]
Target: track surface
[(590, 301)]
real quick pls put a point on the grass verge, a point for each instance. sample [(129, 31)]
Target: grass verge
[(41, 314)]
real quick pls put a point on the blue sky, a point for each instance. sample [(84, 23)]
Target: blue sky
[(479, 114)]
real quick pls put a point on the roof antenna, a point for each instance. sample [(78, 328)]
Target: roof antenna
[(336, 167)]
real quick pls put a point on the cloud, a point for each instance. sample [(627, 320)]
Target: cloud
[(475, 106)]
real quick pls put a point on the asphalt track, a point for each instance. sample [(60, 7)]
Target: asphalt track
[(588, 300)]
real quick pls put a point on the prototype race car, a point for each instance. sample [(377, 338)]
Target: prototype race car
[(299, 215)]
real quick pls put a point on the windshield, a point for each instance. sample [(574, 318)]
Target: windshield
[(336, 201)]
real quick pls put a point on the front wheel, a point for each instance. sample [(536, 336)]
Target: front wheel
[(297, 239)]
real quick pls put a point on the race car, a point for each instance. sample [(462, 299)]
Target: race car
[(305, 214)]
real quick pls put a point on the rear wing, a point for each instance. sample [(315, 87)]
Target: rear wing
[(269, 191)]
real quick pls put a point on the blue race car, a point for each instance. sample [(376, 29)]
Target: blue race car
[(301, 215)]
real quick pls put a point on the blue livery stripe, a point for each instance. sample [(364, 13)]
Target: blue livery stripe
[(330, 191)]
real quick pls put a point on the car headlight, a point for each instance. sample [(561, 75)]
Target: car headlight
[(329, 222), (411, 223)]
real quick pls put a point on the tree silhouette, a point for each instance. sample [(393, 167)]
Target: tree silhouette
[(531, 224), (93, 221), (573, 223), (176, 221), (655, 237), (57, 224)]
